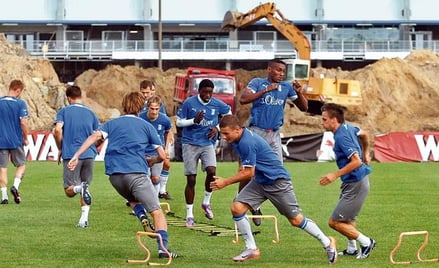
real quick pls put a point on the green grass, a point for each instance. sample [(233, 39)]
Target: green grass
[(41, 232)]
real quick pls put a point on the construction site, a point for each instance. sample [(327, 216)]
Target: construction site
[(393, 93), (398, 94)]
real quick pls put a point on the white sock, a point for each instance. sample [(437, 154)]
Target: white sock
[(364, 240), (352, 245), (4, 193), (84, 213), (77, 188), (245, 229), (17, 182), (163, 181), (207, 196), (157, 187), (311, 228), (189, 211)]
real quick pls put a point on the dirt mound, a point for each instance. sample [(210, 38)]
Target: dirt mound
[(398, 95), (43, 91)]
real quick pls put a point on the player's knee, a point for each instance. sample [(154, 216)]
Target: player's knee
[(190, 181), (333, 224), (238, 208), (155, 179), (166, 164), (69, 193), (297, 220), (211, 171)]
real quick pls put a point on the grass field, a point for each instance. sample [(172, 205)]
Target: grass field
[(41, 232)]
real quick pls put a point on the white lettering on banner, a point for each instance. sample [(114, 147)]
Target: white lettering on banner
[(33, 148), (285, 146), (44, 148), (50, 150), (429, 147)]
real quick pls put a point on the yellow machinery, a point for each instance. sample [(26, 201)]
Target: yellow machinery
[(317, 90)]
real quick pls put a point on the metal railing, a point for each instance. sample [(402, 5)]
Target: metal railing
[(231, 50)]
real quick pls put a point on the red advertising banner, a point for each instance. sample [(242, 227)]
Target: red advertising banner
[(391, 147), (311, 147), (407, 147)]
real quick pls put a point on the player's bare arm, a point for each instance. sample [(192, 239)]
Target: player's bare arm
[(301, 102), (245, 173), (25, 129), (354, 163), (212, 133), (363, 138), (57, 133), (92, 139)]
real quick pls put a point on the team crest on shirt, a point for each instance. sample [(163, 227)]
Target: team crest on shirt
[(212, 112), (159, 127)]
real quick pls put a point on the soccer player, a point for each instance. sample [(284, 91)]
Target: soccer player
[(268, 180), (351, 148), (147, 88), (162, 124), (126, 165), (198, 116), (13, 138), (73, 124), (268, 96)]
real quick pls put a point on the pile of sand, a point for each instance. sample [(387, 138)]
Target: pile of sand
[(398, 95)]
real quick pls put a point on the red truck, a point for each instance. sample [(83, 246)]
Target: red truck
[(186, 85)]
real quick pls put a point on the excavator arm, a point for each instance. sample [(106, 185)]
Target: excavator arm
[(234, 20)]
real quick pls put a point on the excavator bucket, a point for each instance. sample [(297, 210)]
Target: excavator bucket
[(231, 21)]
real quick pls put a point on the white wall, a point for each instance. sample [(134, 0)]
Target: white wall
[(212, 10), (424, 10), (29, 10), (107, 10), (370, 10), (195, 10)]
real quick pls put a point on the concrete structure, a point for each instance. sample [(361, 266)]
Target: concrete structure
[(149, 32)]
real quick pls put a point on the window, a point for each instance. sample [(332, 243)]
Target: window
[(344, 87)]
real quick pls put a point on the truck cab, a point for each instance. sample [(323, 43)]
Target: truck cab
[(186, 85)]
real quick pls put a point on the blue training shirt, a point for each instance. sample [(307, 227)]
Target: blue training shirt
[(267, 112), (162, 124), (79, 122), (345, 145), (128, 138), (12, 109), (197, 134), (254, 151)]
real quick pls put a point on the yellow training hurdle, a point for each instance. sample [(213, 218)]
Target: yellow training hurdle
[(418, 253)]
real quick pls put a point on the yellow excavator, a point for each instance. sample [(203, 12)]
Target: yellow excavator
[(318, 90)]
